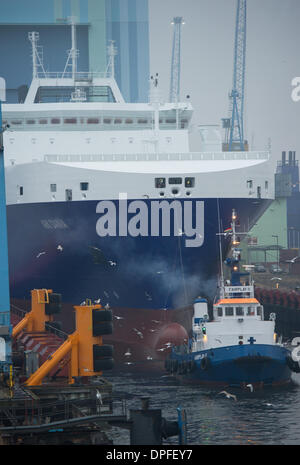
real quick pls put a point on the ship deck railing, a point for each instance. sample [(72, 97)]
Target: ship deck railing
[(78, 76), (192, 156)]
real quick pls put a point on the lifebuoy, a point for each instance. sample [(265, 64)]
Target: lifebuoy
[(295, 356)]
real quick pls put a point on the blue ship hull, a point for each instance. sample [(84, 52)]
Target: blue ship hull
[(258, 364), (55, 246)]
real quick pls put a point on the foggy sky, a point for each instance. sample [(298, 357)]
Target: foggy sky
[(207, 47)]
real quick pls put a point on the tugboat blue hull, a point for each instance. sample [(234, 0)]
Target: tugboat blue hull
[(261, 365)]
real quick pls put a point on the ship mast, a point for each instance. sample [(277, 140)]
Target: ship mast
[(36, 54), (73, 52)]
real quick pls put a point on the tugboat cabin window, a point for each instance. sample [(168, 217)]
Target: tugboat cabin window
[(84, 186), (175, 180), (249, 184), (239, 311), (160, 182), (220, 311), (21, 190), (258, 311), (52, 187), (189, 182), (250, 311), (229, 311)]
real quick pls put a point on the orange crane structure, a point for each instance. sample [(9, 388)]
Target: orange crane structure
[(88, 355)]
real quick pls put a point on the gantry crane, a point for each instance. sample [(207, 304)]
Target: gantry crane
[(175, 65), (234, 125)]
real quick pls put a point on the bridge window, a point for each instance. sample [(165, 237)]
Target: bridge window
[(220, 311), (106, 120), (52, 187), (21, 190), (229, 311), (128, 121), (118, 121), (249, 184), (55, 120), (43, 121), (30, 121), (142, 121)]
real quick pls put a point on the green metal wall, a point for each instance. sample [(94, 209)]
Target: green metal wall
[(272, 223)]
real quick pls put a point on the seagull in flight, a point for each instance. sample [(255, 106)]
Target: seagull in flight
[(138, 333), (117, 317), (97, 301), (228, 395), (60, 248), (250, 386), (112, 263), (39, 254)]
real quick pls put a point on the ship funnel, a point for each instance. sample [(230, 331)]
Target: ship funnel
[(283, 155), (200, 309)]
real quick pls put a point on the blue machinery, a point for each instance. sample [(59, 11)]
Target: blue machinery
[(235, 124), (5, 326)]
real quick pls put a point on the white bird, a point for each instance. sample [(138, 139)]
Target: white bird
[(138, 333), (83, 303), (250, 387), (106, 294), (97, 301), (292, 259), (149, 358), (218, 340), (162, 349), (148, 295), (41, 253), (276, 278), (98, 395), (106, 306), (128, 363), (228, 395), (60, 248), (112, 263), (116, 294), (155, 321), (168, 344), (128, 353), (153, 330), (118, 317)]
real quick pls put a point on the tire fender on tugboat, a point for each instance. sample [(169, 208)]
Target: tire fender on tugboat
[(205, 363)]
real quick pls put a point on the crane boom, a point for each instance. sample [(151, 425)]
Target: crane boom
[(175, 65), (236, 135)]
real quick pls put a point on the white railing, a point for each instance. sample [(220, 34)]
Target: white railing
[(190, 156), (79, 76)]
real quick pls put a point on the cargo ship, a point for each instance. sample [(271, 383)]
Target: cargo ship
[(236, 347), (106, 201)]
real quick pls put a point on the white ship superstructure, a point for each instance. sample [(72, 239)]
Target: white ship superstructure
[(73, 143)]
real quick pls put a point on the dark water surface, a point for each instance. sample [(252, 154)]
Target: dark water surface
[(267, 417)]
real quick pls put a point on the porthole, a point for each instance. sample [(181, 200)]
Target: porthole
[(162, 194), (175, 191), (187, 193)]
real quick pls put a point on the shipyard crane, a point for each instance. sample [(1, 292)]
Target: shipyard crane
[(175, 65), (234, 125)]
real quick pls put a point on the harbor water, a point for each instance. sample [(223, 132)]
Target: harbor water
[(265, 417)]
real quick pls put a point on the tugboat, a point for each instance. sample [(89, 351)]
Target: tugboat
[(235, 347)]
